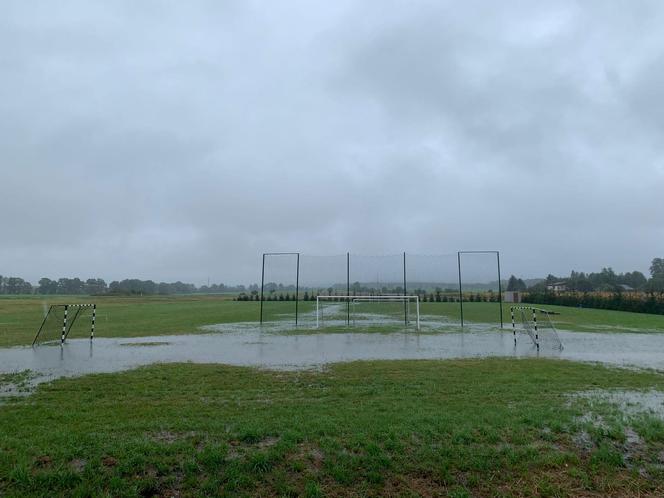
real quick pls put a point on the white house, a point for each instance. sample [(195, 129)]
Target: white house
[(557, 286)]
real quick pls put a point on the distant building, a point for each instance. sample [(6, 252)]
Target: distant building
[(557, 286), (626, 288), (512, 296)]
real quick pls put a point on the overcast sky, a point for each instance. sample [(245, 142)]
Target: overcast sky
[(180, 140)]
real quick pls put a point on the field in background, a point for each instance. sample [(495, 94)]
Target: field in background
[(163, 315), (125, 316)]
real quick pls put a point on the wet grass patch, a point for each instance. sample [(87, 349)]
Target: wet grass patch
[(16, 384), (171, 315), (145, 344), (493, 427)]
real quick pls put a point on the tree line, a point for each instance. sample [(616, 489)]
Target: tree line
[(606, 280), (631, 291), (98, 286)]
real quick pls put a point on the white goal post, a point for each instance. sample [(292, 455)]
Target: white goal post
[(393, 298)]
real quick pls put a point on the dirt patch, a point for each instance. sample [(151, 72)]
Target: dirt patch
[(238, 448), (169, 437), (43, 461), (109, 461), (268, 442), (78, 465)]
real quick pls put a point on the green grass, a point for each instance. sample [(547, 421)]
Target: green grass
[(125, 316), (574, 319), (20, 317), (493, 427)]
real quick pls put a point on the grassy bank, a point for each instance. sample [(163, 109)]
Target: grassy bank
[(456, 428)]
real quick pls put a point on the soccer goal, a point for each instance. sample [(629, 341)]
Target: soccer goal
[(537, 323), (60, 320), (382, 309)]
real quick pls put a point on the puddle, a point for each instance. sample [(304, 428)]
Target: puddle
[(629, 402), (269, 347), (611, 413)]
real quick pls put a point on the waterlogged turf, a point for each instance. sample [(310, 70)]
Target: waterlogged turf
[(270, 347), (171, 315), (486, 427)]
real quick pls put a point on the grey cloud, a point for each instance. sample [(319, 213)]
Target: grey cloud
[(180, 140)]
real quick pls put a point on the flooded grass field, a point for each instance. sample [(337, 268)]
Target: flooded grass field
[(276, 346), (239, 409), (142, 316)]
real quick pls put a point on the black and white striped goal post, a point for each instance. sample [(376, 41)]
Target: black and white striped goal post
[(71, 313)]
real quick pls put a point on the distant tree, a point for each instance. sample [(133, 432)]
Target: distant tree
[(95, 286), (512, 283), (656, 282), (16, 285), (635, 279), (47, 286)]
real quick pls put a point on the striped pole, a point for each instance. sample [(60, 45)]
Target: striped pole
[(94, 316), (536, 333), (64, 326), (513, 323)]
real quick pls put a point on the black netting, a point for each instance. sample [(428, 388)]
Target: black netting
[(279, 287)]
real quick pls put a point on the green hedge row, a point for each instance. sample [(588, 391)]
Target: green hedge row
[(650, 302)]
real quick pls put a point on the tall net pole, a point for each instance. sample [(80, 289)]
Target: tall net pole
[(460, 290), (297, 278), (405, 292), (348, 288), (262, 286), (500, 290), (297, 286)]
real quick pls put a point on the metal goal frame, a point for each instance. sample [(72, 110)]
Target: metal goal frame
[(394, 298), (67, 324)]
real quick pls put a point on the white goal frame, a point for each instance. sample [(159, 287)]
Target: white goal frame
[(397, 298)]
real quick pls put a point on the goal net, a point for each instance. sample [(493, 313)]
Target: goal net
[(279, 287), (480, 289), (434, 278), (66, 320), (537, 324), (368, 310), (324, 276), (452, 288)]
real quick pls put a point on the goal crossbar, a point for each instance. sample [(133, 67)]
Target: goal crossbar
[(394, 298), (533, 329), (67, 321)]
